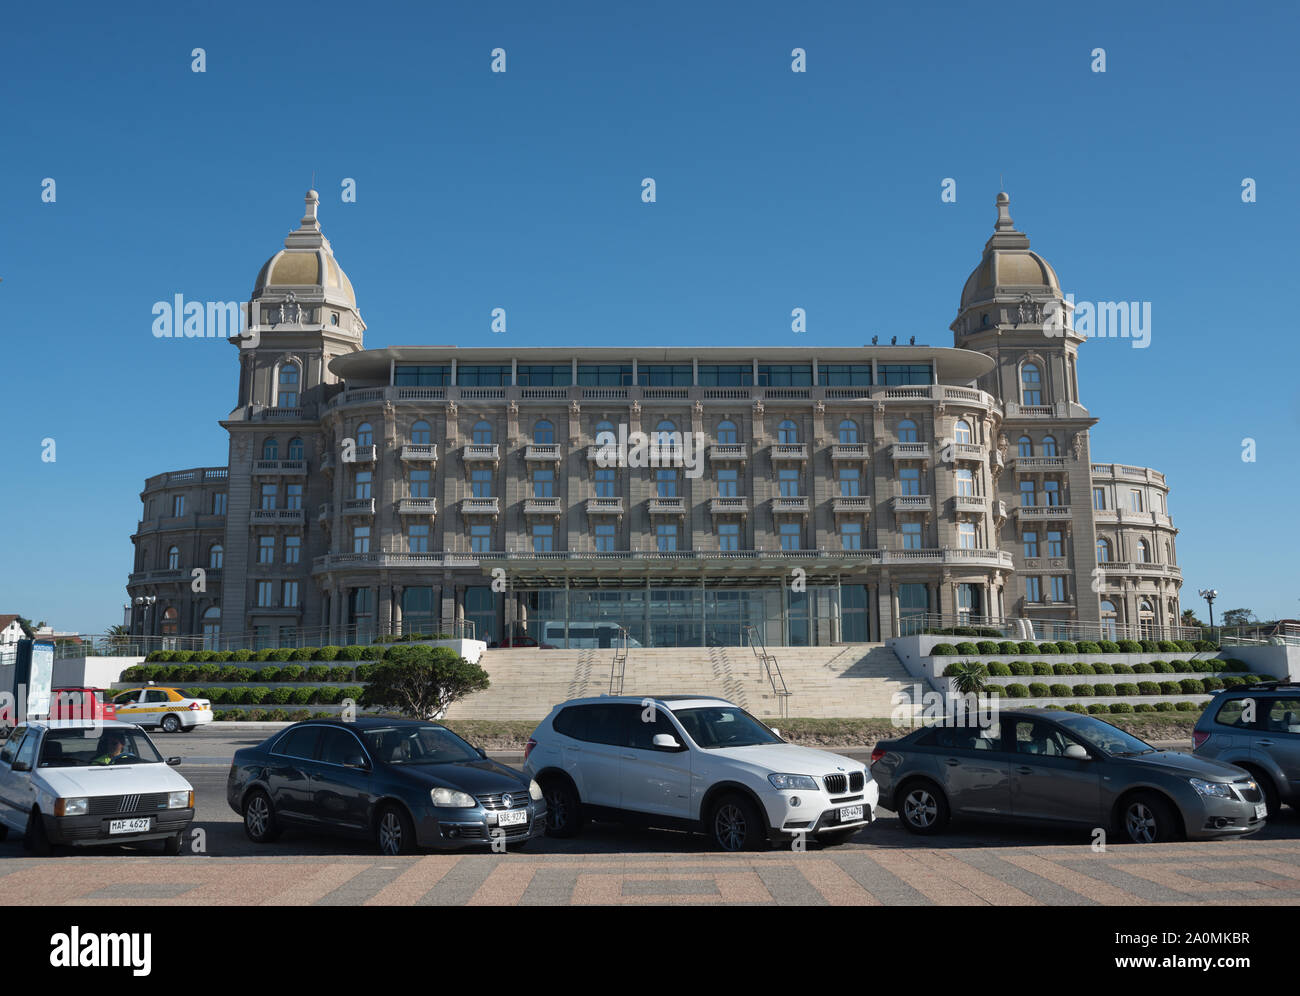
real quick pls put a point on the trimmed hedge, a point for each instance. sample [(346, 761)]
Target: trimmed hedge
[(1063, 691), (1017, 691), (1081, 691), (1104, 689), (943, 650), (1038, 690), (1021, 668)]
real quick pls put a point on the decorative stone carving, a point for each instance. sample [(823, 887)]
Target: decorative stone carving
[(514, 407), (453, 409), (1078, 445), (699, 407), (575, 409)]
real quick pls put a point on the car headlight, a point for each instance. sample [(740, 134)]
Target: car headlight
[(180, 800), (534, 791), (1213, 790), (72, 807), (805, 782), (452, 799)]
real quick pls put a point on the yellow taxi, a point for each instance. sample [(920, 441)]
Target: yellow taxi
[(172, 710)]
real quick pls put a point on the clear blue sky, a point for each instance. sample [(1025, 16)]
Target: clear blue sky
[(522, 190)]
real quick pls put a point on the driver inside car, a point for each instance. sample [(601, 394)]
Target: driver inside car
[(112, 745)]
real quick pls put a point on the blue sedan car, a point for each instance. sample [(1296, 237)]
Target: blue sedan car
[(405, 784)]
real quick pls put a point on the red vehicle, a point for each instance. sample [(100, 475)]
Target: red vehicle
[(80, 703)]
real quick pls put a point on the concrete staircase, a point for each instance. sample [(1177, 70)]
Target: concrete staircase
[(850, 681)]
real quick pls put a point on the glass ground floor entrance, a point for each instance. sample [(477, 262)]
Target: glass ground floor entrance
[(698, 615)]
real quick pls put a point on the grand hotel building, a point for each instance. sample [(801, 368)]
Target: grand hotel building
[(846, 494)]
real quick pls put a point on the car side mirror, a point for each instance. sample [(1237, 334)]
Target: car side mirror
[(1077, 752), (665, 741), (481, 752), (20, 766), (173, 761)]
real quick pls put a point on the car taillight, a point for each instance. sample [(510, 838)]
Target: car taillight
[(1199, 737), (194, 706), (528, 748), (877, 754)]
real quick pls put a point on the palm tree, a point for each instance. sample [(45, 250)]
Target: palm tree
[(968, 678)]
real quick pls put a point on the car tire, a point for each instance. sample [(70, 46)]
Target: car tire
[(735, 824), (170, 724), (260, 824), (173, 845), (1146, 818), (35, 839), (563, 809), (394, 832), (922, 808)]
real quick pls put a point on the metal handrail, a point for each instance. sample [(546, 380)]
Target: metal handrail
[(618, 666), (770, 667)]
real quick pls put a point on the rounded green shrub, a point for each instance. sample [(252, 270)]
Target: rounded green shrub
[(1108, 646), (241, 655), (302, 695), (1076, 707), (1062, 691), (1170, 688), (303, 654), (1148, 688), (1162, 667), (1008, 647), (1080, 667), (1121, 669), (279, 695), (1083, 690), (938, 650), (968, 649), (292, 672), (1017, 691), (1212, 683), (1048, 648), (1041, 667), (1121, 707), (358, 653), (1192, 686), (1088, 647), (257, 694), (1062, 669), (325, 653), (1104, 689), (340, 673), (1097, 708), (269, 673), (1164, 707), (328, 695), (1021, 668), (318, 672), (987, 647), (1038, 690), (1026, 647), (1187, 706), (1101, 667), (1142, 668), (1126, 688), (1144, 707), (352, 691)]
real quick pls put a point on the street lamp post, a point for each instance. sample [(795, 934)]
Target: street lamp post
[(1209, 594)]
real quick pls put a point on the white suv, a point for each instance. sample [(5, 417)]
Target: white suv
[(693, 762)]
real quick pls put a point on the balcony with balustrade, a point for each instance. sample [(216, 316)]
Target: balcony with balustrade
[(419, 453), (358, 506), (279, 468), (911, 503), (425, 507), (909, 451)]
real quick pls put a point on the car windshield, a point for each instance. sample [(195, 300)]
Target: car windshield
[(417, 745), (712, 727), (1109, 738), (95, 746)]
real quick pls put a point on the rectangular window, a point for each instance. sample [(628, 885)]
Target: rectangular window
[(1052, 493), (605, 537), (1026, 494), (850, 482), (791, 536), (293, 496), (292, 549), (481, 483), (605, 483), (666, 483), (360, 539), (785, 375), (178, 505), (419, 487), (266, 549), (290, 595), (729, 536), (417, 538), (544, 374), (543, 538), (788, 481), (1135, 500), (543, 484), (666, 374), (726, 375), (727, 483), (1099, 498), (666, 537), (480, 539), (362, 487), (416, 375), (1031, 544), (904, 373), (605, 375), (911, 535), (219, 504), (270, 493), (909, 481), (1055, 544), (265, 594), (1033, 590), (966, 535), (844, 374), (480, 375), (1058, 589), (851, 536), (965, 483)]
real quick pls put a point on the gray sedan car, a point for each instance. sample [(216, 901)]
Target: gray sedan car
[(1057, 767)]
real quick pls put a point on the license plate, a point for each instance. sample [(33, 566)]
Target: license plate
[(129, 826), (1261, 810), (512, 818), (850, 814)]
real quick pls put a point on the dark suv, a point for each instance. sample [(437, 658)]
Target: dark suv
[(1257, 728)]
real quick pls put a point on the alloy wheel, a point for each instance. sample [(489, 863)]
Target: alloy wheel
[(1141, 823), (390, 834), (729, 827), (919, 808), (256, 816), (557, 812)]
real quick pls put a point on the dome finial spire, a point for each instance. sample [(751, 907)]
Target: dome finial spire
[(1004, 224), (309, 219)]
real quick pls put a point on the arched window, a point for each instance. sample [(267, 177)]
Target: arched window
[(171, 622), (907, 431), (211, 628), (216, 557), (173, 558), (482, 433), (1031, 386), (271, 450), (295, 449), (848, 431), (1144, 552), (544, 433), (727, 435), (1103, 551), (963, 432), (287, 386), (1049, 446), (365, 435), (421, 434), (605, 433), (1146, 620), (1109, 619), (1169, 553), (787, 432), (1024, 447)]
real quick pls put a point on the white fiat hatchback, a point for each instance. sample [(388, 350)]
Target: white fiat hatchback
[(86, 783), (696, 763)]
